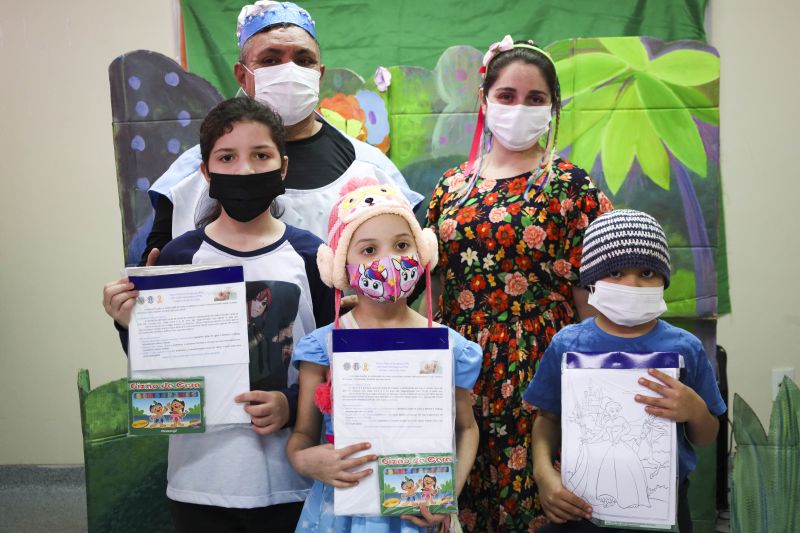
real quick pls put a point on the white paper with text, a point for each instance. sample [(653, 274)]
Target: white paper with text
[(401, 401), (192, 321)]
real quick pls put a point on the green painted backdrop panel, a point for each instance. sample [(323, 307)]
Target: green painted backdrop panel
[(363, 34), (652, 89)]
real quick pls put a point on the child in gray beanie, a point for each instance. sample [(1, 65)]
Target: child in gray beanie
[(626, 268)]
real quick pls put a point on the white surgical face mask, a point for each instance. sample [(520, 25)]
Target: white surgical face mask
[(628, 306), (291, 90), (517, 127)]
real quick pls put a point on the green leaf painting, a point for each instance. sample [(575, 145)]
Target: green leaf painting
[(698, 103), (576, 120), (652, 155), (673, 122), (616, 146), (687, 68), (642, 116), (664, 88), (765, 491), (681, 294), (586, 71), (629, 50), (784, 423)]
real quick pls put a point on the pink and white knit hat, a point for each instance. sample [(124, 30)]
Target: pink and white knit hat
[(359, 200)]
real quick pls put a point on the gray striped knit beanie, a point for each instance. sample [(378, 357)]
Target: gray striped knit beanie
[(623, 238)]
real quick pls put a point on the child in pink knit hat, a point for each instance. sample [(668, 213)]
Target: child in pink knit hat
[(377, 248), (361, 200)]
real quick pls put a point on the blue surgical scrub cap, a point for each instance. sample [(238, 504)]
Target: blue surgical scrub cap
[(263, 14)]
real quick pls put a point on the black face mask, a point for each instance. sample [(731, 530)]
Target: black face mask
[(245, 196)]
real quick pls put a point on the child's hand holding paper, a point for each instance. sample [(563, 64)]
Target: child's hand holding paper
[(335, 467)]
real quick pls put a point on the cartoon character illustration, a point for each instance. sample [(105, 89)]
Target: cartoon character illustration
[(258, 302), (409, 487), (650, 450), (286, 340), (177, 411), (621, 479), (578, 480), (409, 269), (272, 307), (428, 488), (259, 298), (371, 279), (157, 412)]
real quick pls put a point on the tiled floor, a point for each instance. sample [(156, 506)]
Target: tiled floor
[(37, 499)]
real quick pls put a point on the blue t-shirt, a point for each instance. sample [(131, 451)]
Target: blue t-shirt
[(544, 392)]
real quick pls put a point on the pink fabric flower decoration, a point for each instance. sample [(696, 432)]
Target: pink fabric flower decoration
[(383, 78), (323, 398), (501, 46)]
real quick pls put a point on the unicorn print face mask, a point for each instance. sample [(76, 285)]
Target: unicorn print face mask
[(387, 279)]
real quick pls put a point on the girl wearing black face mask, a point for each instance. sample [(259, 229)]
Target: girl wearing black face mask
[(244, 163)]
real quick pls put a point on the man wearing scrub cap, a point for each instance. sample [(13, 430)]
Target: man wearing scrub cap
[(280, 65)]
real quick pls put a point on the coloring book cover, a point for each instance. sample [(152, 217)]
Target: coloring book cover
[(617, 457), (170, 406), (406, 480)]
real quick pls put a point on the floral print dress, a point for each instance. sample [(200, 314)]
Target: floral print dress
[(509, 265)]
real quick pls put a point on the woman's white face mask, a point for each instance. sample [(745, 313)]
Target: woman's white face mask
[(517, 127), (291, 90), (628, 306)]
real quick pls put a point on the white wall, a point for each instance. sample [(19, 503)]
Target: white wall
[(60, 223), (59, 213), (760, 116)]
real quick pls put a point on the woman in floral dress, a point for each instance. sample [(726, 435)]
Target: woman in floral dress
[(510, 248)]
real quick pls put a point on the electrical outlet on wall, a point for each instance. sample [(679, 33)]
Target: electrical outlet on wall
[(777, 377)]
